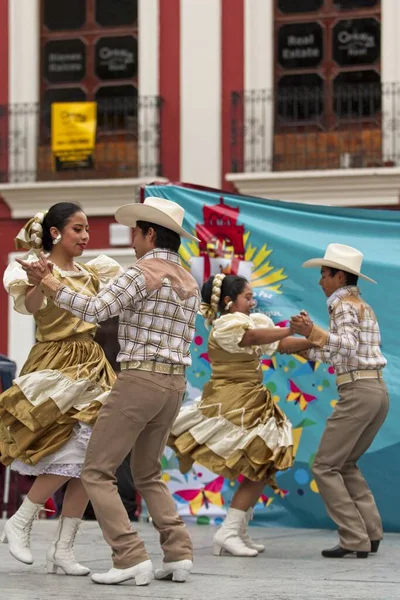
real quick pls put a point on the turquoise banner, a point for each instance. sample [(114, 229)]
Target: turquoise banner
[(267, 241)]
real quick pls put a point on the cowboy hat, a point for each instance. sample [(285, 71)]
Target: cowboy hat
[(339, 256), (155, 210)]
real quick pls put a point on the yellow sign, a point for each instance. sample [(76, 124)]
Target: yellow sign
[(73, 134)]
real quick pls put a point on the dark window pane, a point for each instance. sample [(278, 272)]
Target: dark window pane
[(117, 108), (357, 94), (300, 97), (116, 57), (60, 95), (113, 13), (356, 41), (354, 4), (64, 61), (62, 16), (300, 45), (299, 6)]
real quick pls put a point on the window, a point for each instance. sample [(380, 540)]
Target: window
[(87, 45), (354, 4), (115, 13), (64, 61), (327, 69), (116, 57), (299, 6), (61, 16), (117, 108)]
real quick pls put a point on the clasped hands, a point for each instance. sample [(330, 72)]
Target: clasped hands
[(37, 269), (301, 324)]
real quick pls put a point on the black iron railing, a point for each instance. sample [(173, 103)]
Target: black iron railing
[(326, 127), (127, 141)]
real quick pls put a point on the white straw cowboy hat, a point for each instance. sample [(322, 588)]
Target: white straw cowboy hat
[(155, 210), (339, 256)]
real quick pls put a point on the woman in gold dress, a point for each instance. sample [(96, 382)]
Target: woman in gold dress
[(47, 415), (235, 428)]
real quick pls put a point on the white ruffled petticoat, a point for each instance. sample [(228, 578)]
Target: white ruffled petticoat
[(68, 461)]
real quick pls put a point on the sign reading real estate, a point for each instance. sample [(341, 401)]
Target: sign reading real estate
[(73, 134), (300, 45)]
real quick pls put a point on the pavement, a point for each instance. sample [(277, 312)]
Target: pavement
[(291, 568)]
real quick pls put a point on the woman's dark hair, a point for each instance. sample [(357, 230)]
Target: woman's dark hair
[(165, 238), (351, 278), (57, 216), (232, 286)]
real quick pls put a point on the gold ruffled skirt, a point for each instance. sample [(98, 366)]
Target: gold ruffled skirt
[(235, 428), (62, 384)]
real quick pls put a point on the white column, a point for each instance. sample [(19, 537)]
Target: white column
[(200, 77), (259, 84), (24, 70), (148, 11), (390, 73)]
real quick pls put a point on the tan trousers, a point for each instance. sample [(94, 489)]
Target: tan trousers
[(137, 416), (355, 421)]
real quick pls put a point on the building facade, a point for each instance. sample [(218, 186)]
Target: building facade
[(274, 98)]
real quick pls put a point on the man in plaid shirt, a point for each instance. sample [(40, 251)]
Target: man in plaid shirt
[(157, 301), (352, 346)]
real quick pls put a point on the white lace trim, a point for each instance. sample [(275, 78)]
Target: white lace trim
[(67, 461), (52, 469)]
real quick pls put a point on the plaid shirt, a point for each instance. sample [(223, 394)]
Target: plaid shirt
[(156, 300), (353, 341)]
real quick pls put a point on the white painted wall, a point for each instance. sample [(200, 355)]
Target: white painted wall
[(390, 61), (24, 72), (200, 76), (148, 11), (259, 75)]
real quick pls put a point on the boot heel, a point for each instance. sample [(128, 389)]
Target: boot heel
[(143, 578), (375, 546), (3, 538), (217, 549), (51, 568), (180, 575), (362, 554)]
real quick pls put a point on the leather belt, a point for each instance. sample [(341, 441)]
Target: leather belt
[(152, 365), (355, 375)]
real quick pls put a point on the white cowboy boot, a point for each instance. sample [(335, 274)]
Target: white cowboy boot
[(227, 537), (142, 573), (17, 531), (178, 570), (244, 536), (60, 553)]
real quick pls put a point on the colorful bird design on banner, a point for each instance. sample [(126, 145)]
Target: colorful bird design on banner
[(299, 397), (208, 494)]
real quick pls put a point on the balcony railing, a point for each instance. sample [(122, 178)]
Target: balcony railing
[(127, 142), (303, 128)]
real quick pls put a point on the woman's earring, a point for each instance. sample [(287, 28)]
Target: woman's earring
[(228, 305), (57, 239)]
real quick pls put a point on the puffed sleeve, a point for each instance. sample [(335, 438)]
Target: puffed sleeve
[(16, 283), (107, 269), (229, 330), (263, 321)]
